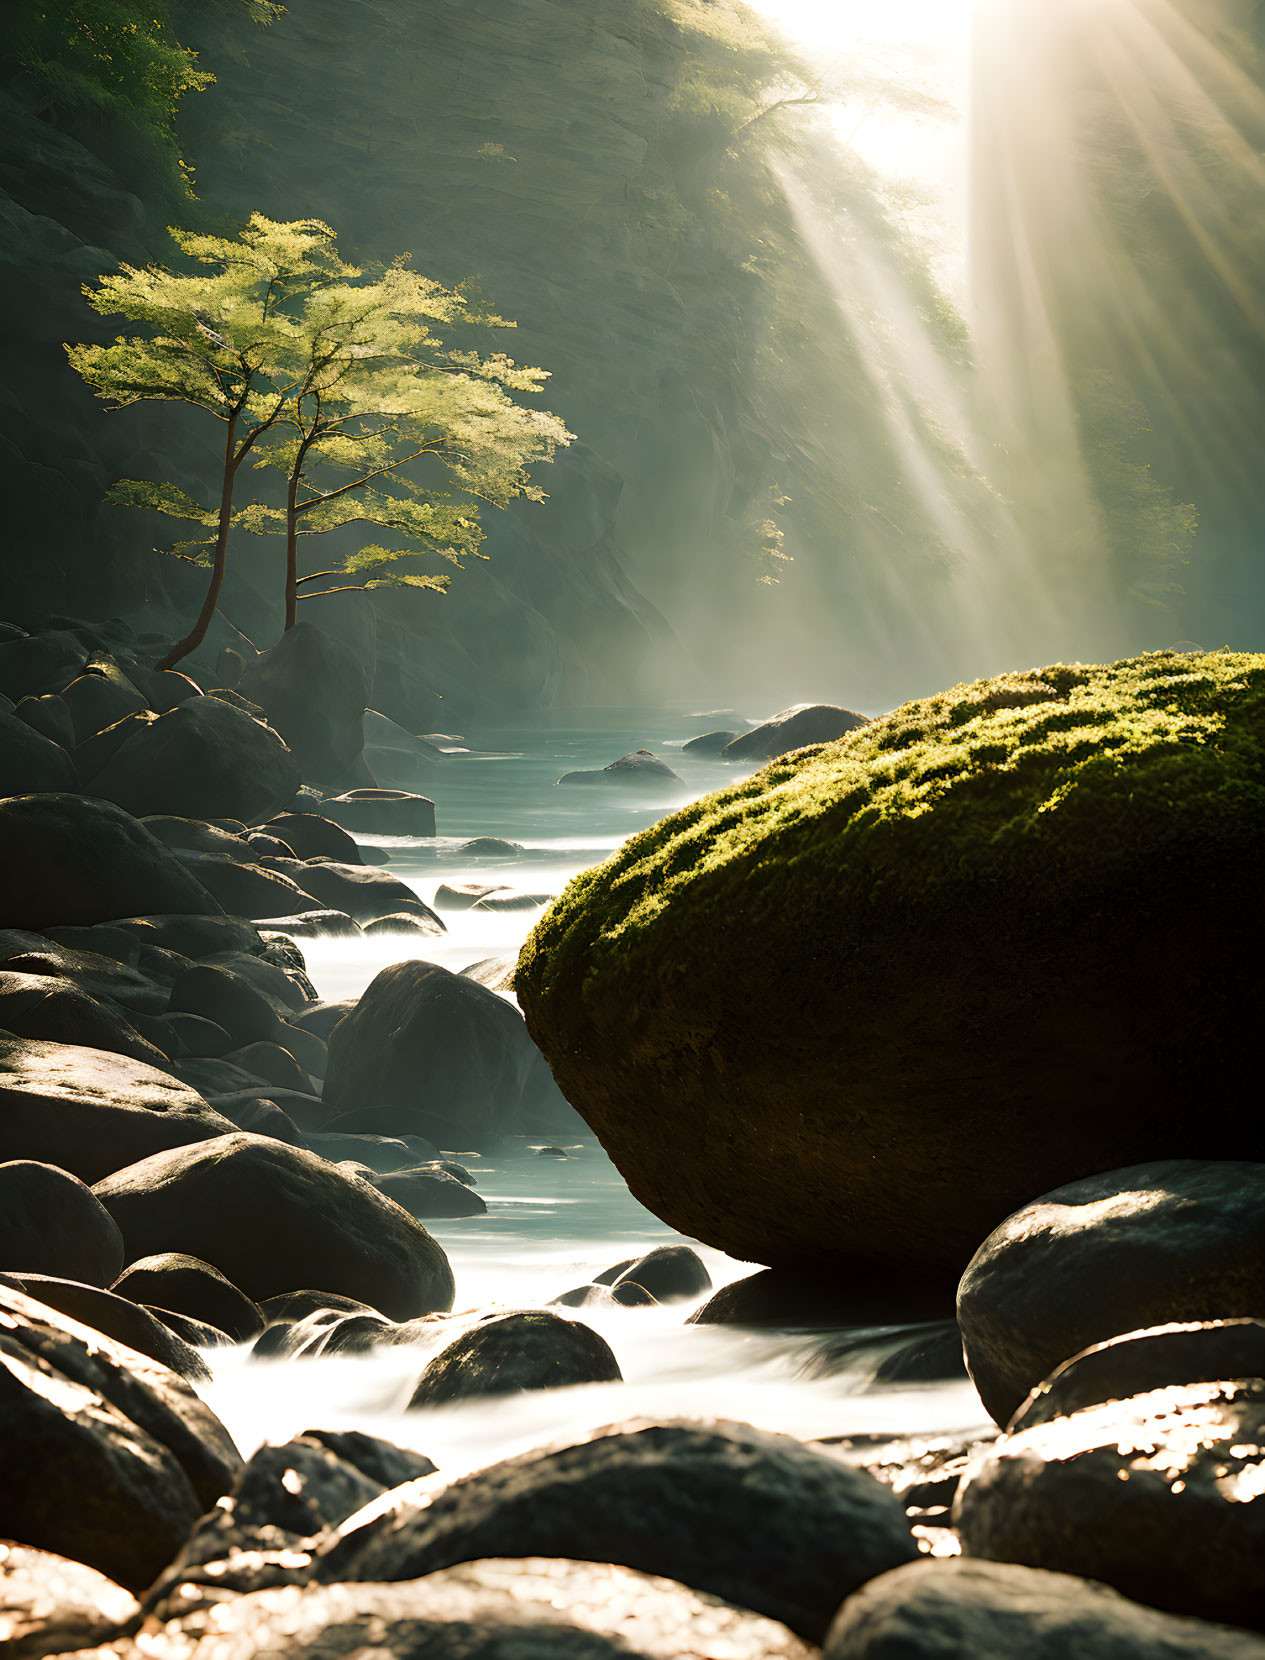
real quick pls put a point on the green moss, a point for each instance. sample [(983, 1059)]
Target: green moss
[(1044, 787)]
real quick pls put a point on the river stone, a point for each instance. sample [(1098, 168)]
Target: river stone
[(31, 762), (54, 1008), (1144, 1246), (804, 723), (515, 1352), (638, 769), (1206, 1351), (758, 1519), (312, 836), (965, 1610), (1152, 1495), (270, 1217), (50, 1605), (429, 1192), (382, 812), (51, 1223), (859, 971), (109, 1458), (314, 690), (91, 1112), (183, 1284), (424, 1038), (670, 1273), (136, 1328), (83, 860), (529, 1609), (202, 759)]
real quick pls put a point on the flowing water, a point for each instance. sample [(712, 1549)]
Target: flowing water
[(552, 1223)]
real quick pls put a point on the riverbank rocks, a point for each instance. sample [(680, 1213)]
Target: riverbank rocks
[(109, 1458), (382, 812), (499, 1610), (965, 1610), (639, 769), (425, 1039), (854, 975), (203, 759), (74, 859), (794, 728), (1176, 1240), (514, 1352), (758, 1519), (50, 1605), (91, 1112), (1157, 1495), (183, 1285), (51, 1223), (272, 1218)]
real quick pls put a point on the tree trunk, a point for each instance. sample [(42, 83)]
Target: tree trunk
[(194, 638)]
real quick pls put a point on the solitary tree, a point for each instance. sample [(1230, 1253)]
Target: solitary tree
[(381, 409), (221, 339)]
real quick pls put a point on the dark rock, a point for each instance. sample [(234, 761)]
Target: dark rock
[(270, 1216), (965, 1610), (805, 723), (92, 1112), (55, 1009), (382, 813), (50, 1605), (311, 836), (84, 860), (31, 762), (135, 1328), (314, 925), (50, 1223), (670, 1273), (314, 691), (109, 1457), (710, 743), (501, 1610), (638, 769), (777, 1300), (421, 1037), (1152, 1495), (188, 1286), (203, 759), (971, 914), (430, 1192), (462, 896), (1139, 1247), (504, 1356), (48, 716), (245, 889), (1197, 1352), (728, 1509), (362, 892)]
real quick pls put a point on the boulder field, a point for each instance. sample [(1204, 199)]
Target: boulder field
[(862, 1006)]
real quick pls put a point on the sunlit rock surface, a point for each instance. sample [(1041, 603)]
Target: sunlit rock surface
[(869, 1002)]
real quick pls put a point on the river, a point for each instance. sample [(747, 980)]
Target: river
[(552, 1223)]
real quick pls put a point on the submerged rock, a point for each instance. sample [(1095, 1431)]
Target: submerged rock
[(965, 1610), (759, 1519), (269, 1217), (1172, 1241), (908, 980), (514, 1352)]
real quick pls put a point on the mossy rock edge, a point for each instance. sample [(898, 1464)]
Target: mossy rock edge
[(873, 999)]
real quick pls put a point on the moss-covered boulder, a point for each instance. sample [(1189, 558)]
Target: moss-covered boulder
[(872, 1000)]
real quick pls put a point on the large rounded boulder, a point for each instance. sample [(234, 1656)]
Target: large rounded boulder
[(867, 1003), (424, 1040), (73, 859), (758, 1519), (1172, 1241), (273, 1218)]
